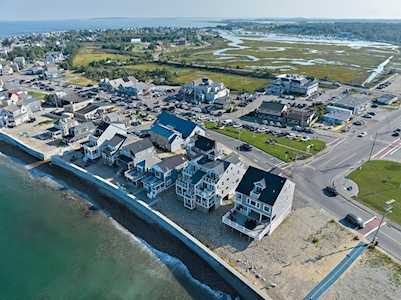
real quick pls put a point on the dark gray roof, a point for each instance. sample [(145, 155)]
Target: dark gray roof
[(218, 166), (116, 140), (274, 184), (138, 146), (203, 143), (87, 109), (268, 107), (197, 176), (170, 163), (102, 126)]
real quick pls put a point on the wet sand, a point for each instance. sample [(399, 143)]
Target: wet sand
[(150, 233)]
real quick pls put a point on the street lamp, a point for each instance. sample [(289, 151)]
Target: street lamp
[(388, 209)]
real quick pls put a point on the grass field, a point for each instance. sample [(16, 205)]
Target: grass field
[(339, 62), (38, 95), (186, 75), (88, 54), (281, 147), (78, 79), (379, 181)]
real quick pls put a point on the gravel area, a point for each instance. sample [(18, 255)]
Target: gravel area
[(287, 264), (374, 276)]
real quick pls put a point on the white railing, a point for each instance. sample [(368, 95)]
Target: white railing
[(240, 228)]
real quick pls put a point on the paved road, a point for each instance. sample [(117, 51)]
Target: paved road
[(349, 154), (338, 270), (344, 154)]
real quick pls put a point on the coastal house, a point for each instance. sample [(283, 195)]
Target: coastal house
[(65, 124), (126, 86), (138, 159), (270, 111), (131, 87), (336, 115), (163, 175), (80, 131), (111, 148), (262, 202), (357, 103), (115, 117), (300, 117), (92, 112), (110, 85), (205, 90), (172, 133), (18, 108), (290, 84), (137, 153), (207, 181), (103, 133), (201, 145), (14, 115)]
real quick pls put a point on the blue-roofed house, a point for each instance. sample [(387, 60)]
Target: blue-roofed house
[(172, 133)]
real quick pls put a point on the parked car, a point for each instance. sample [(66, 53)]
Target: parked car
[(355, 221), (372, 113), (358, 123), (245, 147), (330, 191)]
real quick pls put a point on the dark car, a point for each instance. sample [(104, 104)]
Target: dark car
[(245, 147), (395, 134), (371, 113), (358, 123), (354, 221), (330, 191)]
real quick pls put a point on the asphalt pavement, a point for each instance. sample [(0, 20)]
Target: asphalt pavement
[(342, 156)]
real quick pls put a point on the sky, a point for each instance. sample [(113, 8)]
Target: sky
[(77, 9)]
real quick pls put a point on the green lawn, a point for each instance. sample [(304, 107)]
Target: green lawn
[(281, 147), (38, 95), (379, 181), (88, 54), (186, 75)]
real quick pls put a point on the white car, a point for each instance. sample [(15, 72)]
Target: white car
[(362, 134)]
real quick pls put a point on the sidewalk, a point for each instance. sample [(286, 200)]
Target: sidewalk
[(335, 274)]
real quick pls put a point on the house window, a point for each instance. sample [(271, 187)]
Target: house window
[(253, 203), (267, 208)]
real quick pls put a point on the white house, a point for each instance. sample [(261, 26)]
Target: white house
[(207, 181), (293, 84), (262, 202), (103, 133), (206, 90)]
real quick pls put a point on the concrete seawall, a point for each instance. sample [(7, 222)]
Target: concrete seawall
[(21, 145), (245, 289)]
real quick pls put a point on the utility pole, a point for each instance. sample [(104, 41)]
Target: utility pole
[(373, 147), (388, 206)]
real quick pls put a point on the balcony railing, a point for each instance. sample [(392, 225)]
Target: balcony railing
[(205, 193), (257, 233), (209, 179)]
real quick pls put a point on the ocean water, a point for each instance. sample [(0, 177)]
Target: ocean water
[(10, 28), (52, 248)]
